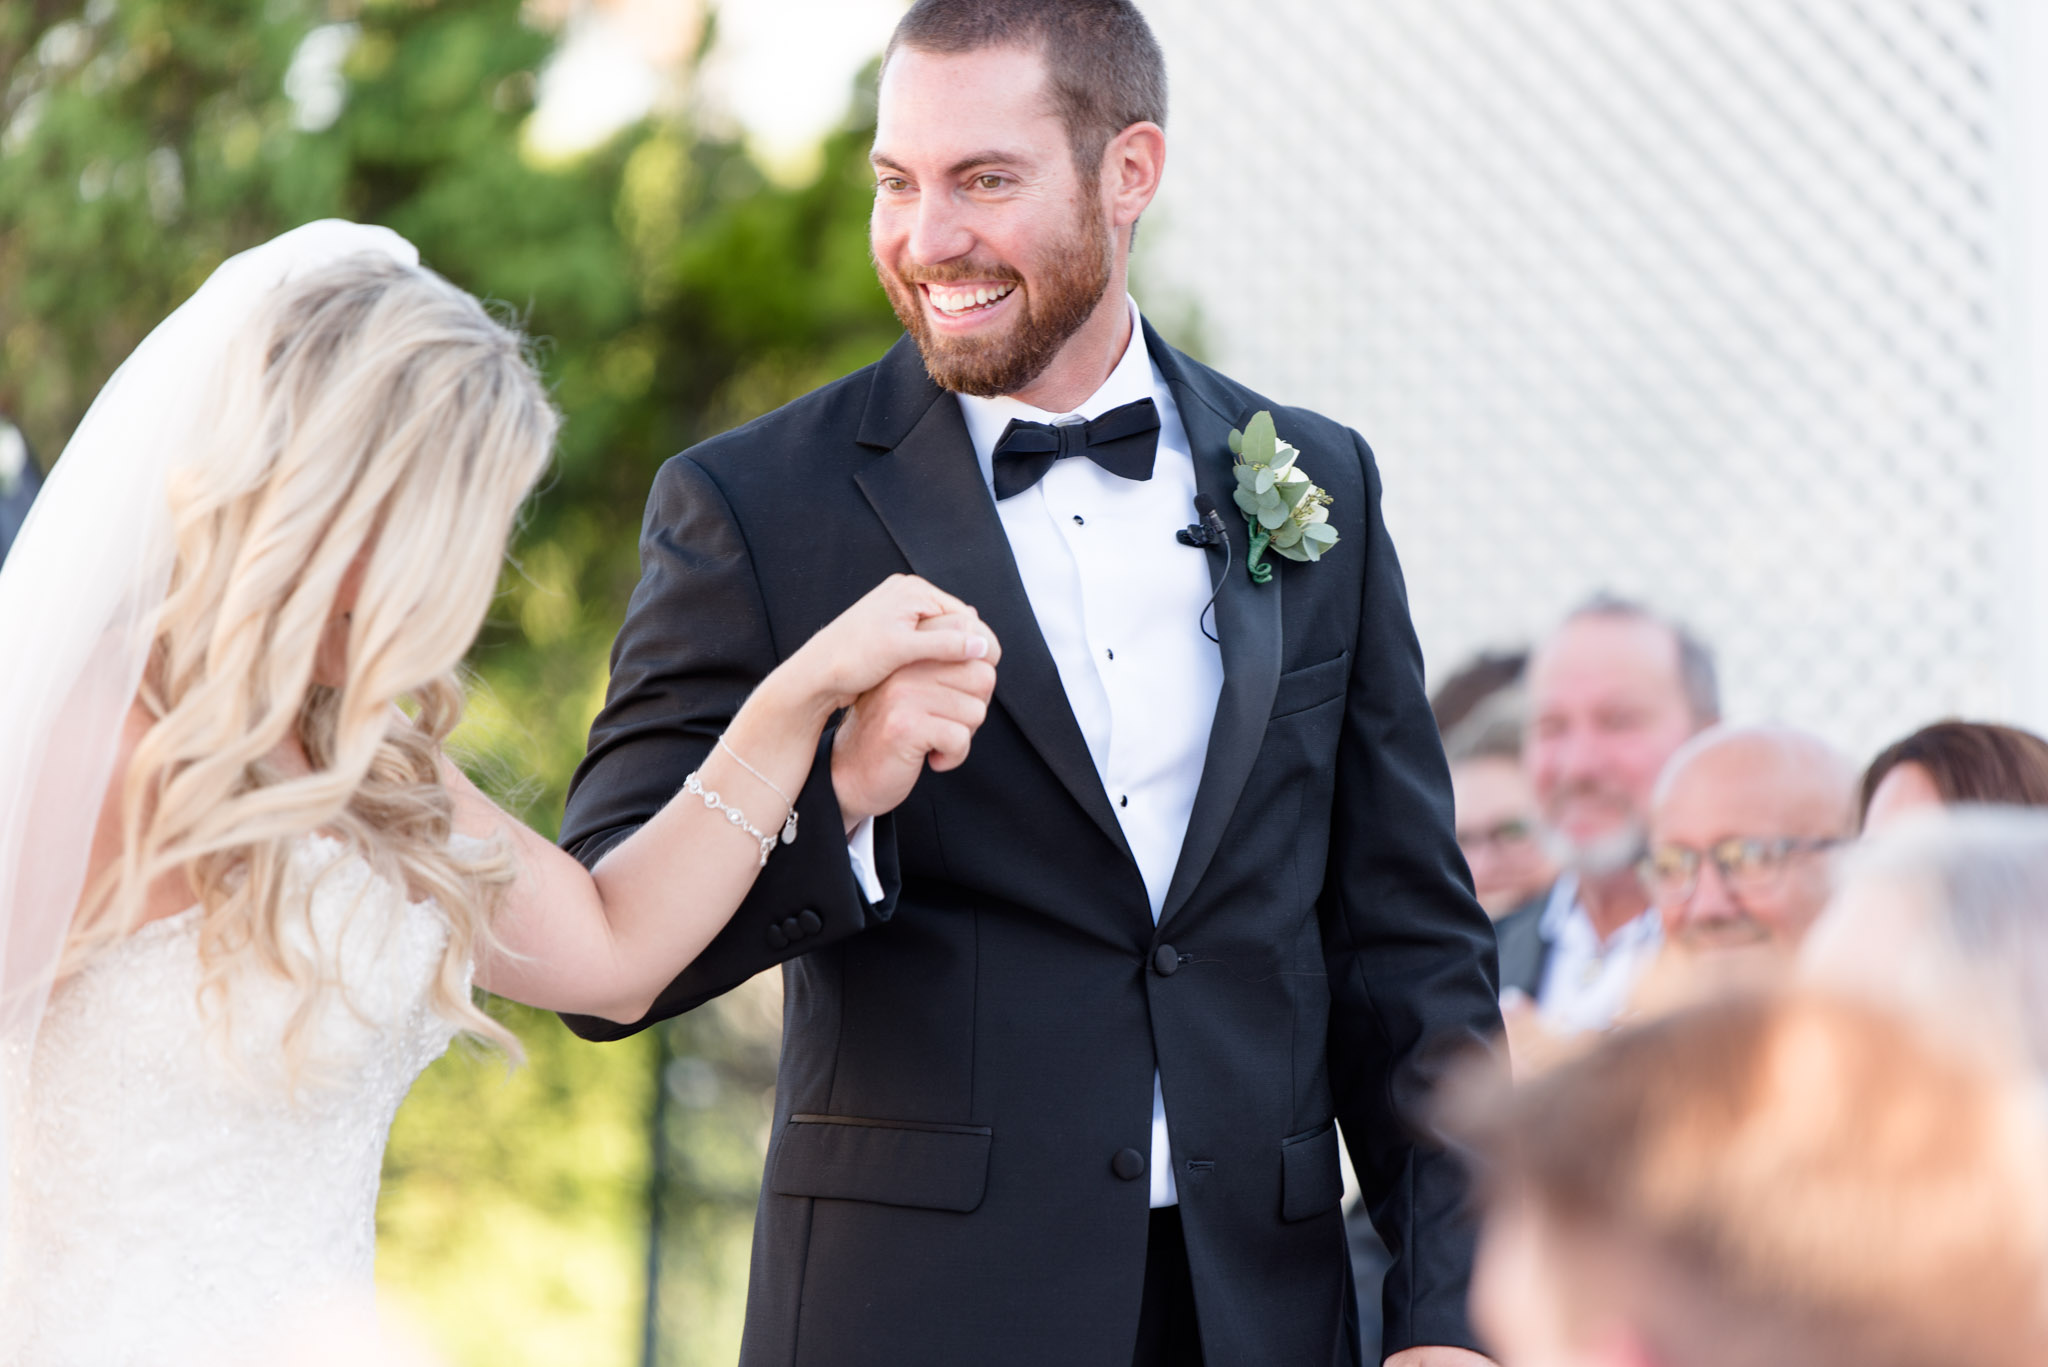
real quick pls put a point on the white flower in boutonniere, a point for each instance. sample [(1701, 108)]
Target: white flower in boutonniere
[(1285, 510)]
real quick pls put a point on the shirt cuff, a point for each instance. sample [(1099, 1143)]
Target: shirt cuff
[(860, 848)]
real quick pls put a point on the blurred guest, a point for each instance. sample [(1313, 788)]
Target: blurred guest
[(1481, 712), (1955, 761), (1756, 1183), (1613, 694), (1486, 677), (1497, 820), (19, 481), (1740, 831), (1947, 915)]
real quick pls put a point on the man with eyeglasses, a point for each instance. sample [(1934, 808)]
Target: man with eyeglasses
[(1740, 831)]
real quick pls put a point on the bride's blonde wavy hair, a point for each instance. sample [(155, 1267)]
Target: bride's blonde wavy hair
[(374, 413)]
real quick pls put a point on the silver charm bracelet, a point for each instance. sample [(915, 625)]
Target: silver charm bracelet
[(789, 825), (732, 814)]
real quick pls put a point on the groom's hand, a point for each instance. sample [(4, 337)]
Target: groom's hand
[(923, 713)]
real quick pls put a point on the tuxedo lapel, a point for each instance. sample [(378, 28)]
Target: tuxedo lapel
[(927, 489), (1247, 622)]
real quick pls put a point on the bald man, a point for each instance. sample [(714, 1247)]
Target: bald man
[(1741, 825)]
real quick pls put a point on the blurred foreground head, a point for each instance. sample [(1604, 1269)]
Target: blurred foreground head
[(1613, 693), (1744, 820), (1951, 762), (1764, 1182), (1946, 915)]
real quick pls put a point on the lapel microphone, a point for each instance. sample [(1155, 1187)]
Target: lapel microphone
[(1209, 531), (1208, 534)]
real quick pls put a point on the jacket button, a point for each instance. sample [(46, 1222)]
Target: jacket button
[(1128, 1164), (809, 922), (792, 929), (1165, 962), (776, 939)]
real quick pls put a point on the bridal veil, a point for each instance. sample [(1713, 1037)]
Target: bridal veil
[(79, 598)]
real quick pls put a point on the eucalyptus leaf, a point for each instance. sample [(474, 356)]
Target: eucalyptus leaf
[(1236, 442), (1260, 440), (1294, 552), (1246, 475), (1271, 518), (1264, 483), (1321, 533), (1294, 491), (1287, 535), (1246, 500), (1271, 502)]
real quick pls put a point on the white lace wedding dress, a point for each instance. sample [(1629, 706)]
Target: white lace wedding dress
[(177, 1198)]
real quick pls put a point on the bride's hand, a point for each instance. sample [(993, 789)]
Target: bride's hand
[(903, 621), (606, 942)]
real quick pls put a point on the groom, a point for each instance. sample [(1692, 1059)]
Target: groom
[(1073, 1026)]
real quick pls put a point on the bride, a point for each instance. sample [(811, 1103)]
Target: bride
[(243, 894)]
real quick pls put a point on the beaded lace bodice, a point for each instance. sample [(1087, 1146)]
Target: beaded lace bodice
[(175, 1194)]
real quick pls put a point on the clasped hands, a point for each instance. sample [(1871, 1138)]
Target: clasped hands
[(914, 668)]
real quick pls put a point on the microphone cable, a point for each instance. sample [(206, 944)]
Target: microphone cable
[(1210, 533)]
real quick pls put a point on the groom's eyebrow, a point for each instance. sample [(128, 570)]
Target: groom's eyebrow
[(958, 168)]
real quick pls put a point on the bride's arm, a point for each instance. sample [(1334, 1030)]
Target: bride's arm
[(605, 942)]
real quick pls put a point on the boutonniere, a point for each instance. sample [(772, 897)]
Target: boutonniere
[(1285, 510)]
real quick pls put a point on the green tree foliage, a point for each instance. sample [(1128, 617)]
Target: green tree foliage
[(674, 291)]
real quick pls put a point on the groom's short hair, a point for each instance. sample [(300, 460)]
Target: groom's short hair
[(1104, 66)]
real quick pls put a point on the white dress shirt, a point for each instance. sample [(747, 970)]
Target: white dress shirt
[(1587, 982), (1119, 603)]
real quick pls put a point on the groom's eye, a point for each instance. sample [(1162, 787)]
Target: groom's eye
[(990, 182), (893, 184)]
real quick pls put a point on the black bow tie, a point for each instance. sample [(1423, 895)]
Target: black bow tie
[(1122, 441)]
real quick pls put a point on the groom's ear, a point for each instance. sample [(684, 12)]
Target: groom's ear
[(1132, 165)]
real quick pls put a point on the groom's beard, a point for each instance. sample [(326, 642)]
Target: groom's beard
[(1073, 277)]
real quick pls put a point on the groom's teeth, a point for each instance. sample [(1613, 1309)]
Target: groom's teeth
[(965, 300)]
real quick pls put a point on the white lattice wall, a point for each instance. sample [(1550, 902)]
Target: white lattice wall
[(1712, 302)]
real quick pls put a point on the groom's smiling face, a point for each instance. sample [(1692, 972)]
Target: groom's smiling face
[(993, 246)]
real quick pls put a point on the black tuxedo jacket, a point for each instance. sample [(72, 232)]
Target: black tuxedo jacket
[(966, 1076)]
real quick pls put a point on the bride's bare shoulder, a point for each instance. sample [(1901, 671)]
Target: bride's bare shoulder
[(168, 895)]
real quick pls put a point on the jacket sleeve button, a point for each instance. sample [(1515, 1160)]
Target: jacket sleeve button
[(810, 924), (776, 939), (792, 929)]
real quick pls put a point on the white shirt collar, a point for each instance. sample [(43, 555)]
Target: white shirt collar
[(1128, 383), (1586, 984), (1564, 899), (1565, 909)]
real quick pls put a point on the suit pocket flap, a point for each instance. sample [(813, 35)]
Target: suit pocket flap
[(1311, 1180), (889, 1162), (1312, 686)]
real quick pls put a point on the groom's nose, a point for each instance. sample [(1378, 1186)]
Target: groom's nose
[(939, 231)]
